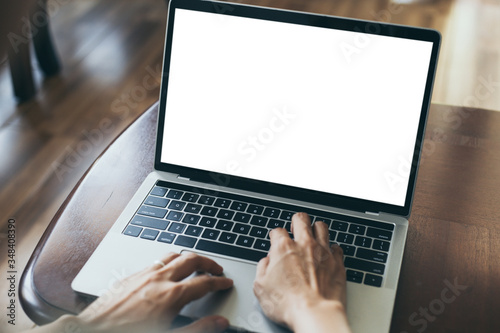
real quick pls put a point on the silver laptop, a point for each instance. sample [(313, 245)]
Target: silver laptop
[(264, 113)]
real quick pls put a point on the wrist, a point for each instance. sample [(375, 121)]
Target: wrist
[(66, 323), (320, 316)]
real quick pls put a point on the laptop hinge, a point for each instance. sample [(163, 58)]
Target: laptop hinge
[(372, 213), (183, 178)]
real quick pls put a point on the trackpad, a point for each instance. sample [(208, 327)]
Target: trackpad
[(238, 304)]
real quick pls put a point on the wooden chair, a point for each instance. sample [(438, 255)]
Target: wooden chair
[(34, 27)]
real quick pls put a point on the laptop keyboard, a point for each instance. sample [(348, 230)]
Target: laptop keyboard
[(239, 226)]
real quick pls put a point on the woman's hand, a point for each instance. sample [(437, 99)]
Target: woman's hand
[(152, 298), (301, 283)]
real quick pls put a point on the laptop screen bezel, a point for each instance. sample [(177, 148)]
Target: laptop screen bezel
[(324, 21)]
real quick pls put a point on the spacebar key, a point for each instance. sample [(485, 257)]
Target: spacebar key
[(230, 250), (364, 265)]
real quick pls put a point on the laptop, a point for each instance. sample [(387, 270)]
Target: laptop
[(267, 112)]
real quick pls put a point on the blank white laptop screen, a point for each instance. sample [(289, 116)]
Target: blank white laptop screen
[(328, 110)]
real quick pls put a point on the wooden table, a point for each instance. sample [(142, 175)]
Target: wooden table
[(450, 278)]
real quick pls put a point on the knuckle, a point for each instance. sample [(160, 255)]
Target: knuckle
[(309, 242), (155, 276), (191, 258), (177, 290), (283, 242)]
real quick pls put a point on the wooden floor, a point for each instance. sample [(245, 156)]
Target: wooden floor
[(111, 52)]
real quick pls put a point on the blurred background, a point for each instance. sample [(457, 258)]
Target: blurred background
[(110, 53)]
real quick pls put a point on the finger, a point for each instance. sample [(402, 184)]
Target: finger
[(158, 264), (201, 285), (280, 241), (337, 250), (210, 324), (188, 263), (301, 227), (320, 231), (262, 268)]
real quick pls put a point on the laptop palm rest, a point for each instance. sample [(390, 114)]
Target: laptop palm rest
[(238, 304)]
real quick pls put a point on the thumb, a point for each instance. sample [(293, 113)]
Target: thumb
[(209, 324)]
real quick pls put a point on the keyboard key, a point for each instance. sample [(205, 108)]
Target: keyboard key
[(259, 220), (209, 211), (271, 212), (255, 209), (286, 215), (225, 214), (275, 224), (149, 222), (152, 211), (357, 229), (258, 232), (206, 200), (354, 276), (239, 206), (235, 251), (190, 197), (245, 241), (349, 250), (210, 234), (191, 219), (261, 244), (193, 230), (193, 208), (339, 225), (227, 237), (177, 227), (132, 231), (185, 241), (149, 234), (288, 226), (241, 228), (363, 265), (177, 205), (224, 225), (159, 191), (372, 255), (174, 215), (373, 280), (208, 222), (363, 241), (333, 234), (222, 203), (377, 233), (156, 201), (325, 221), (345, 238), (242, 217), (166, 237), (174, 194), (381, 245)]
